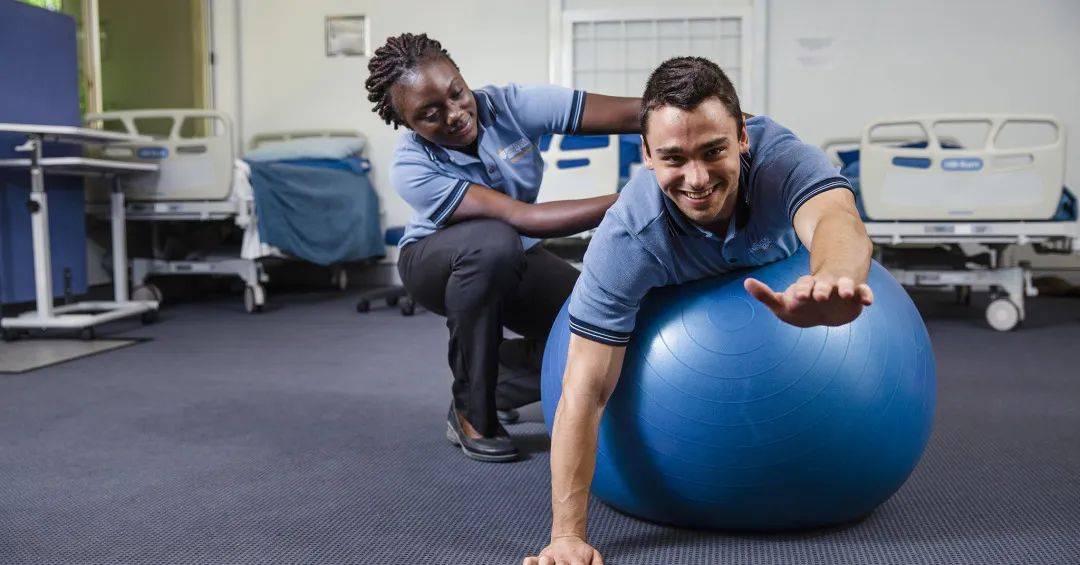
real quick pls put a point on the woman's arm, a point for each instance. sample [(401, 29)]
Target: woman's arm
[(611, 114), (549, 219), (602, 115)]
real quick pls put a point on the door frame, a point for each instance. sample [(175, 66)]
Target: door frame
[(90, 73)]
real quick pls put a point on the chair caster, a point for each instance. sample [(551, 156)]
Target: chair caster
[(407, 306)]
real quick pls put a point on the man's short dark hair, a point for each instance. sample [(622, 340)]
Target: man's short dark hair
[(685, 82)]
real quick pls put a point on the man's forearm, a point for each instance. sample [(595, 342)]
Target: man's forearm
[(841, 247), (561, 218), (592, 369), (573, 459)]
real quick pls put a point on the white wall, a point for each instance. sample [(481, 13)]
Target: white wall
[(615, 4), (289, 83)]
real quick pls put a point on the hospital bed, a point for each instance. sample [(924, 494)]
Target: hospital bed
[(201, 179), (927, 190)]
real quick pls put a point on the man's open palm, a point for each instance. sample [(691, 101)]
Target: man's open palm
[(814, 300)]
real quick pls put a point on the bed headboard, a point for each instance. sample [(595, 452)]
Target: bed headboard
[(287, 135)]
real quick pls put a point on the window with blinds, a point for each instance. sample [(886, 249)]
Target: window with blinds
[(616, 56), (612, 51)]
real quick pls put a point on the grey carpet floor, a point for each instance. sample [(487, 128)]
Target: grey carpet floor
[(311, 434)]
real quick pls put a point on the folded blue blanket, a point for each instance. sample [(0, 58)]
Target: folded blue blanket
[(321, 210)]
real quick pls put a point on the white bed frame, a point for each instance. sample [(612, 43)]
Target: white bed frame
[(1008, 285), (201, 179), (288, 135), (987, 180), (598, 177)]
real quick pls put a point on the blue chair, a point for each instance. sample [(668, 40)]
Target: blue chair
[(395, 295)]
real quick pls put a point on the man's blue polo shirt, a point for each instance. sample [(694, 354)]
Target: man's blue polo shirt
[(645, 242), (434, 179)]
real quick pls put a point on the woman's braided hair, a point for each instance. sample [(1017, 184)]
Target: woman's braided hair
[(399, 55)]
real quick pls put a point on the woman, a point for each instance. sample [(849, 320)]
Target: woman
[(470, 168)]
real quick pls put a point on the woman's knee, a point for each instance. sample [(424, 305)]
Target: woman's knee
[(495, 246), (493, 259)]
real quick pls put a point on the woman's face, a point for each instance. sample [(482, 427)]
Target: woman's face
[(436, 103)]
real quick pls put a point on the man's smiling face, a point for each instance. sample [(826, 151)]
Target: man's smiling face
[(695, 154)]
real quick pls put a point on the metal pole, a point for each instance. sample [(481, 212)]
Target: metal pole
[(119, 242), (39, 224)]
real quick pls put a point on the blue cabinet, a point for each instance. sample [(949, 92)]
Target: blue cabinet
[(39, 85)]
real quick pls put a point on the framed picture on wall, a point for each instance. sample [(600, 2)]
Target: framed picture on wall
[(347, 36)]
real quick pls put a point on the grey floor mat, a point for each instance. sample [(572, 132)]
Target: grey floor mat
[(25, 355)]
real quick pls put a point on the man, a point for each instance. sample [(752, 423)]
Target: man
[(720, 191)]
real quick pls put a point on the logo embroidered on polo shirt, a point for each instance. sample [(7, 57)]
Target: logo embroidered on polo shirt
[(516, 150), (760, 245)]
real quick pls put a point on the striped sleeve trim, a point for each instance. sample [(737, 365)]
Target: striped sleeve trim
[(577, 113), (447, 208), (595, 333), (822, 186)]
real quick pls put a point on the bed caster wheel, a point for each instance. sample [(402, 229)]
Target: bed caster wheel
[(87, 334), (340, 279), (149, 317), (408, 307), (363, 307), (392, 301), (9, 335), (254, 298), (148, 292), (1002, 315)]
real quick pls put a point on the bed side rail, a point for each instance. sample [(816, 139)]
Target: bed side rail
[(194, 149), (963, 167)]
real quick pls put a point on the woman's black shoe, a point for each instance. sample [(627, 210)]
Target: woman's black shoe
[(491, 449)]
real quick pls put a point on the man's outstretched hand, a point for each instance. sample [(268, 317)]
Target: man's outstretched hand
[(814, 300)]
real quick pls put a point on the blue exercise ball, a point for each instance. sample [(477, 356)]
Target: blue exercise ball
[(727, 418)]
